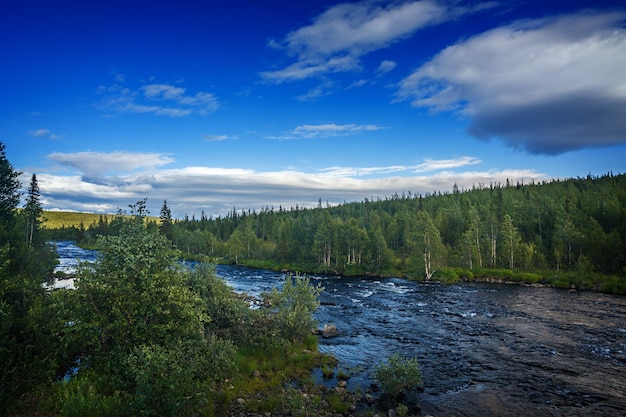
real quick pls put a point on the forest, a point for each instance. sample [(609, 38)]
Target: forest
[(563, 233)]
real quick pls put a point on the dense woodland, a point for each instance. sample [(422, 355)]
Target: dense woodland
[(564, 233)]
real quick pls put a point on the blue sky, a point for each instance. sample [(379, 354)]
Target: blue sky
[(212, 105)]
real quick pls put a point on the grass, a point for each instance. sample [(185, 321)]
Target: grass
[(273, 380), (60, 219)]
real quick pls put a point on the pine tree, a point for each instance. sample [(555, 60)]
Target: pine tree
[(33, 210), (166, 221), (9, 188)]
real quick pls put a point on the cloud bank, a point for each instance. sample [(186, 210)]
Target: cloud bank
[(214, 190), (547, 86)]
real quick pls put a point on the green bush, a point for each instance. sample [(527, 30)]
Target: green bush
[(171, 381), (446, 276), (398, 374), (527, 277), (294, 306), (464, 273)]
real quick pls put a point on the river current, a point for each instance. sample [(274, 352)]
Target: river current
[(484, 349)]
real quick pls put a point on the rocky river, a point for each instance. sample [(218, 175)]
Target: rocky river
[(484, 349)]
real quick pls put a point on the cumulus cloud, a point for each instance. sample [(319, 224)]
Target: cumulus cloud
[(159, 99), (335, 40), (547, 86), (327, 130), (215, 190)]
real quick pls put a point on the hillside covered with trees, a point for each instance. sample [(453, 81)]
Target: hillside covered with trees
[(563, 233)]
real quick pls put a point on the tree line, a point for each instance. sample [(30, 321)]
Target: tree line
[(563, 232)]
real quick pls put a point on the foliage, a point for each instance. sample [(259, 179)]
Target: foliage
[(80, 397), (398, 374), (139, 327), (446, 276), (294, 305), (27, 344)]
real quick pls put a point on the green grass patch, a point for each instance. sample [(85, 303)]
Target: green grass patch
[(446, 276), (60, 219), (263, 374)]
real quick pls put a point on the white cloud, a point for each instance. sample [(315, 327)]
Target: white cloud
[(321, 90), (39, 133), (215, 190), (96, 165), (218, 138), (428, 165), (327, 130), (335, 40), (439, 164), (307, 68), (159, 99), (548, 85), (163, 91), (358, 83), (386, 66), (44, 133)]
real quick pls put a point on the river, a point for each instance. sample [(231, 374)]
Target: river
[(484, 349)]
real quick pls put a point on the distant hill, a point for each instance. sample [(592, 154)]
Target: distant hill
[(60, 219)]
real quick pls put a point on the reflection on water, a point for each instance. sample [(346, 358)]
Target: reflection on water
[(484, 349)]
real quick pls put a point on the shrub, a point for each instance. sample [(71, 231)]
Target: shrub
[(527, 277), (446, 276), (398, 374), (464, 273), (294, 306)]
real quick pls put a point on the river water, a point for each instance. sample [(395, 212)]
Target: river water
[(484, 349)]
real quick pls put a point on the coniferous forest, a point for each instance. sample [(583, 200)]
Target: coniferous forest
[(562, 233)]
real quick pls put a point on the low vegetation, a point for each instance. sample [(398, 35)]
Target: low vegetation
[(398, 374)]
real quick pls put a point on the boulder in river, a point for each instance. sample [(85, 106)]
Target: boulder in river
[(330, 330)]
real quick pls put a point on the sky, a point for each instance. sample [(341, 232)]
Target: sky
[(215, 105)]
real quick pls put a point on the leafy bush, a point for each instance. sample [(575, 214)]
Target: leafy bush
[(171, 381), (138, 327), (294, 306), (398, 374), (226, 312), (446, 276), (527, 277), (464, 273)]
